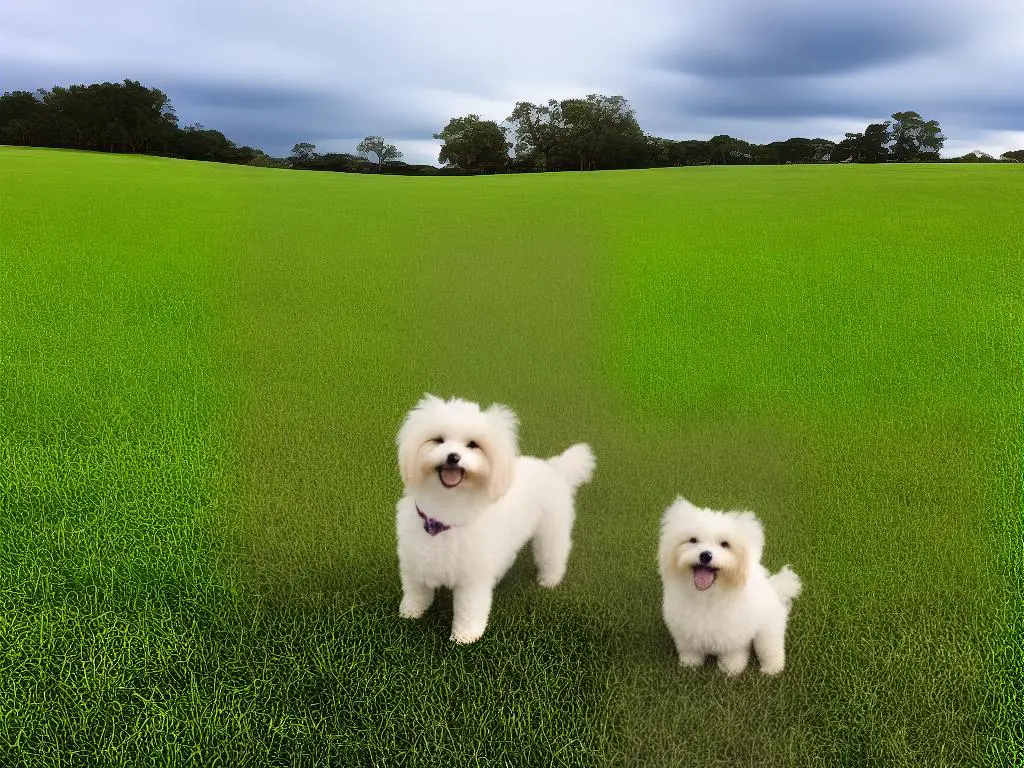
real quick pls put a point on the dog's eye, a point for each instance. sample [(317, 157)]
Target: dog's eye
[(437, 440), (472, 444), (725, 544), (693, 539)]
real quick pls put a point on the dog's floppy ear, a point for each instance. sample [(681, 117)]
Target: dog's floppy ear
[(736, 575), (408, 450), (428, 401), (505, 419), (501, 446), (410, 438), (747, 548), (752, 535)]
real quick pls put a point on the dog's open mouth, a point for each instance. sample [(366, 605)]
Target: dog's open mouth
[(451, 476), (703, 577)]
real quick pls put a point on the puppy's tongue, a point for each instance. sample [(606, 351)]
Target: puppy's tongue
[(703, 577), (451, 476)]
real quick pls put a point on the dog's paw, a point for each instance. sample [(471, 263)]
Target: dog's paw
[(690, 659), (410, 611), (465, 636), (772, 669), (550, 580)]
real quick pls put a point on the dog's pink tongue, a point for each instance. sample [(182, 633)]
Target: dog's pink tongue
[(703, 577), (451, 476)]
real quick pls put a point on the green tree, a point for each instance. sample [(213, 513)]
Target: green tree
[(195, 142), (22, 118), (304, 152), (538, 132), (600, 132), (1014, 155), (913, 138), (375, 145), (726, 150), (473, 144), (871, 146), (303, 155), (691, 152), (798, 150)]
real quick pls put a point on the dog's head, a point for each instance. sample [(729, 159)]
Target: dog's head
[(457, 447), (710, 547)]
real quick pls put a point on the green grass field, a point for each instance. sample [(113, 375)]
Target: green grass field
[(202, 369)]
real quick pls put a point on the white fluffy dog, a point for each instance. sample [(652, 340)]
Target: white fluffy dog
[(718, 599), (471, 502)]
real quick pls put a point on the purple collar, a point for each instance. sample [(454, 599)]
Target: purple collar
[(430, 525)]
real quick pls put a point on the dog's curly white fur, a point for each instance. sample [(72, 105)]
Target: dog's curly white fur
[(718, 599), (472, 502)]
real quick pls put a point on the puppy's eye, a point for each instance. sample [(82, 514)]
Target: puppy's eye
[(472, 444), (693, 539), (725, 544), (437, 440)]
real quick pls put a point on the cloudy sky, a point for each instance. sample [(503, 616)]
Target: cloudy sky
[(270, 73)]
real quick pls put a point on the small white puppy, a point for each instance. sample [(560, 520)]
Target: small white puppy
[(718, 599), (471, 502)]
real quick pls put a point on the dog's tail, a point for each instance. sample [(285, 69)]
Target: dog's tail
[(575, 464), (786, 585)]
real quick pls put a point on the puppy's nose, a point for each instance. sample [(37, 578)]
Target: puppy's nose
[(704, 557), (453, 458)]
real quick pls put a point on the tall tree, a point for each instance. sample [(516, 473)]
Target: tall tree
[(22, 118), (600, 132), (473, 144), (913, 138), (871, 146), (375, 145), (538, 132), (304, 152)]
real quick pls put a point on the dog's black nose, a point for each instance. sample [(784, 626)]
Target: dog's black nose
[(453, 458), (704, 557)]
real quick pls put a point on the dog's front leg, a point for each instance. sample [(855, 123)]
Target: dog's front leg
[(770, 647), (472, 606), (416, 598)]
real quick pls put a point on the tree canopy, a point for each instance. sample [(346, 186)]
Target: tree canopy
[(597, 132), (375, 145), (472, 144), (591, 133), (911, 137), (111, 117)]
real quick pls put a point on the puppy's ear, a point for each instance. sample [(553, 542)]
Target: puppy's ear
[(501, 446), (736, 573), (428, 401), (407, 470), (746, 546), (410, 439), (503, 419), (751, 535)]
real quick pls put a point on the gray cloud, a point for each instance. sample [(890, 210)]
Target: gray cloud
[(269, 74), (279, 116), (772, 39)]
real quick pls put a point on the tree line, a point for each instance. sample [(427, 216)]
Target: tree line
[(111, 117), (594, 133)]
